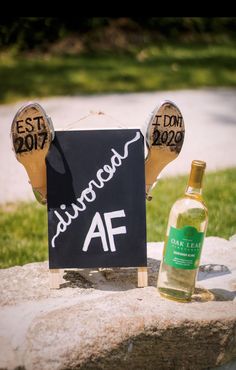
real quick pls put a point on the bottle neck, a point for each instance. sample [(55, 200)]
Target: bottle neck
[(194, 186), (193, 192)]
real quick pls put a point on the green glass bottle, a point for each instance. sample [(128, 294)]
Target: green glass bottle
[(186, 230)]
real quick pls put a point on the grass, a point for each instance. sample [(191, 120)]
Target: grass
[(219, 195), (23, 226), (156, 67), (23, 233)]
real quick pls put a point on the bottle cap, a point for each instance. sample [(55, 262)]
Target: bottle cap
[(199, 163)]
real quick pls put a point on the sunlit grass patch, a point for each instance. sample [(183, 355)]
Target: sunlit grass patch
[(23, 236)]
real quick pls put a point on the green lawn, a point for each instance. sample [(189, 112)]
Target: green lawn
[(23, 226), (220, 197), (157, 67)]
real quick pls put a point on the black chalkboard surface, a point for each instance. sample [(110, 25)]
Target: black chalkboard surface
[(96, 199)]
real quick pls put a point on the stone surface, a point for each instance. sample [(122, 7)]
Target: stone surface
[(101, 320)]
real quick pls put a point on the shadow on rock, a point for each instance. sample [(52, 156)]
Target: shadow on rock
[(113, 279), (212, 270), (223, 294)]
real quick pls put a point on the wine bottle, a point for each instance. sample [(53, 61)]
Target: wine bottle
[(185, 234)]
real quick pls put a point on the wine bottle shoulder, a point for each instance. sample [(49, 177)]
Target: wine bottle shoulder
[(186, 203)]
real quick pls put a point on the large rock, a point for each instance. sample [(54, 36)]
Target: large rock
[(100, 320)]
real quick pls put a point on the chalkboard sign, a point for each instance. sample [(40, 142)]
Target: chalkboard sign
[(96, 199)]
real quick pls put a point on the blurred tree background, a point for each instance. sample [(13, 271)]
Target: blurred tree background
[(81, 34), (48, 56)]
